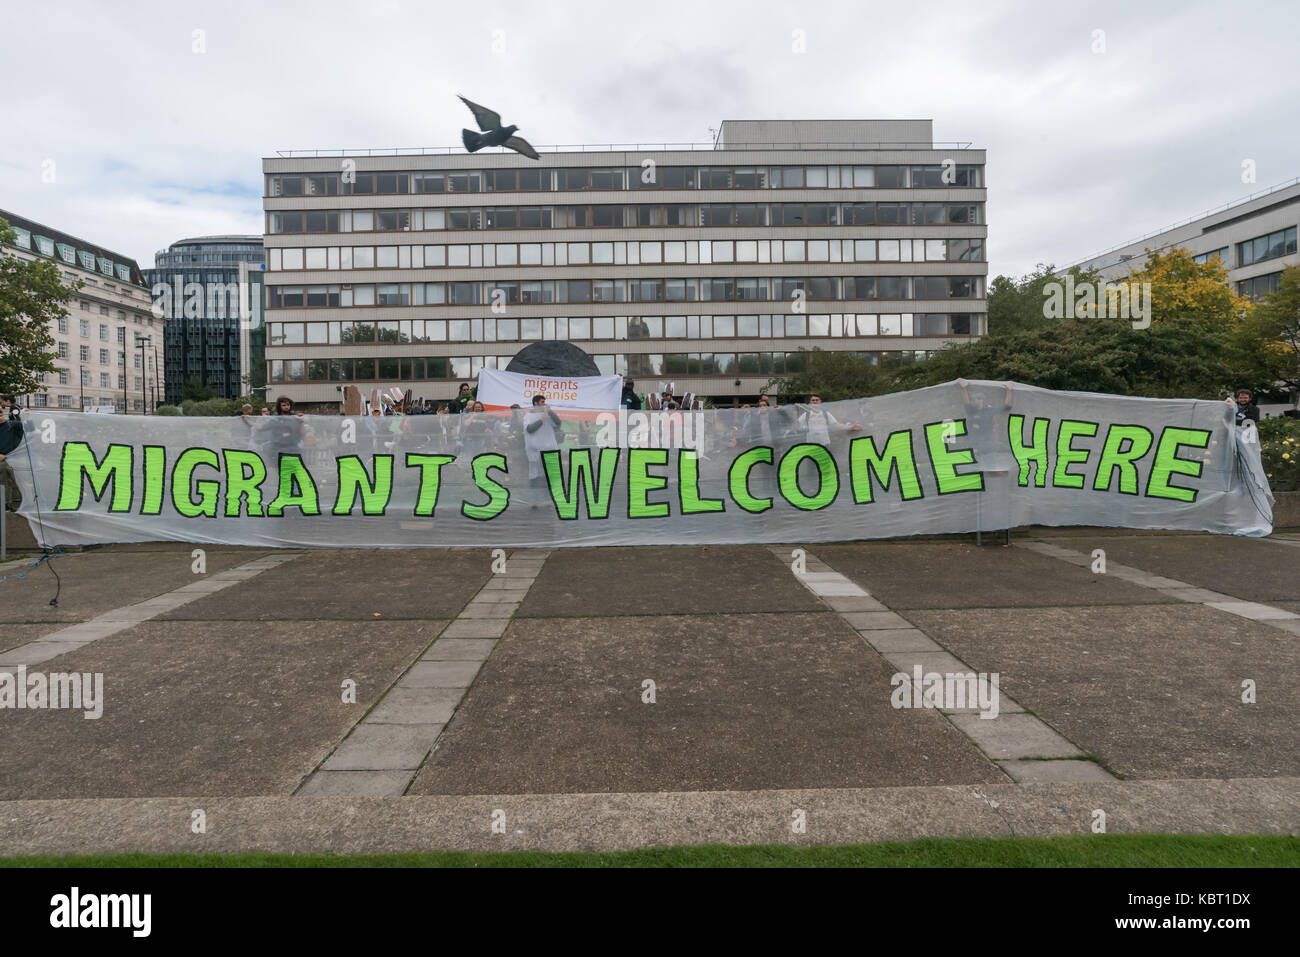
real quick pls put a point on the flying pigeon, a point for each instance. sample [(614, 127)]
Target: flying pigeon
[(494, 134)]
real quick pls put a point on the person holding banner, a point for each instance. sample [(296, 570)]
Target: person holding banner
[(541, 430)]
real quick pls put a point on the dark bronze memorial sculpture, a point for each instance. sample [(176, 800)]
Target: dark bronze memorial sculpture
[(493, 133)]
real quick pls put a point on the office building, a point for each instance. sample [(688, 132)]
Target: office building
[(716, 267), (204, 341), (110, 346)]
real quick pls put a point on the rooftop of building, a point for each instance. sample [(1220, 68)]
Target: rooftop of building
[(216, 241), (101, 254), (731, 135)]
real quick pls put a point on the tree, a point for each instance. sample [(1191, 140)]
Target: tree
[(1199, 342), (195, 389), (32, 297), (833, 376), (1275, 324), (1017, 304), (1184, 288)]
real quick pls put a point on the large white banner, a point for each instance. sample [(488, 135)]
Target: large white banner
[(501, 390), (937, 460)]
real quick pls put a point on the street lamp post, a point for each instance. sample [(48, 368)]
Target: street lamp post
[(141, 342)]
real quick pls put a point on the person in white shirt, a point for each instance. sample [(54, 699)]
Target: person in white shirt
[(541, 430), (818, 424)]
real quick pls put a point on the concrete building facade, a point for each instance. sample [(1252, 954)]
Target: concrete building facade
[(1255, 238), (100, 361), (716, 268)]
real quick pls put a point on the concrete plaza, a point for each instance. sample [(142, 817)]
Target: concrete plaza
[(596, 698)]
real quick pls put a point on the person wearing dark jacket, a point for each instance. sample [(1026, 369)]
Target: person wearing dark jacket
[(1246, 407), (630, 401), (11, 436)]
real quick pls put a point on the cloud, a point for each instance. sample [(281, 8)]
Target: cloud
[(154, 142)]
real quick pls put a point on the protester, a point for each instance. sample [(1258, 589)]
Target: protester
[(818, 423), (464, 397), (285, 429), (11, 436), (985, 425), (541, 434), (1246, 409), (630, 401), (981, 421)]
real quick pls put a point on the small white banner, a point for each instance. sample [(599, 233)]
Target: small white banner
[(501, 390)]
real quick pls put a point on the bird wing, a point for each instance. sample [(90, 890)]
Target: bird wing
[(521, 145), (485, 118)]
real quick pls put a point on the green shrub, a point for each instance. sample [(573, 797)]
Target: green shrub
[(1279, 446)]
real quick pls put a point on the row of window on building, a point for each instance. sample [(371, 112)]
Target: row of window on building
[(499, 293), (41, 400), (613, 216), (492, 255), (599, 328), (435, 368), (647, 176), (1274, 245)]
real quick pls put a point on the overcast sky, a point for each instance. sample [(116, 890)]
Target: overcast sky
[(152, 142)]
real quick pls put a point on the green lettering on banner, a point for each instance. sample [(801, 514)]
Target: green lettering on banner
[(1167, 463), (1035, 454), (738, 479), (898, 456), (581, 476), (688, 485), (354, 478), (245, 473), (828, 484), (640, 483), (498, 495), (78, 465), (430, 467), (183, 485), (1067, 455), (1114, 457), (297, 489), (944, 461), (155, 472)]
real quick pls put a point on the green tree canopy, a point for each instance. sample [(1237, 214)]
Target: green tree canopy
[(32, 297), (833, 376), (196, 390)]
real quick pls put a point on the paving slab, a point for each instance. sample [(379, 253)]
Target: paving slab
[(11, 636), (488, 609), (875, 620), (351, 584), (1255, 611), (1065, 770), (964, 575), (441, 674), (741, 701), (101, 580), (1245, 568), (459, 649), (665, 581), (383, 747), (357, 783), (416, 704), (226, 709), (477, 628), (1014, 736), (1153, 691), (900, 639)]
